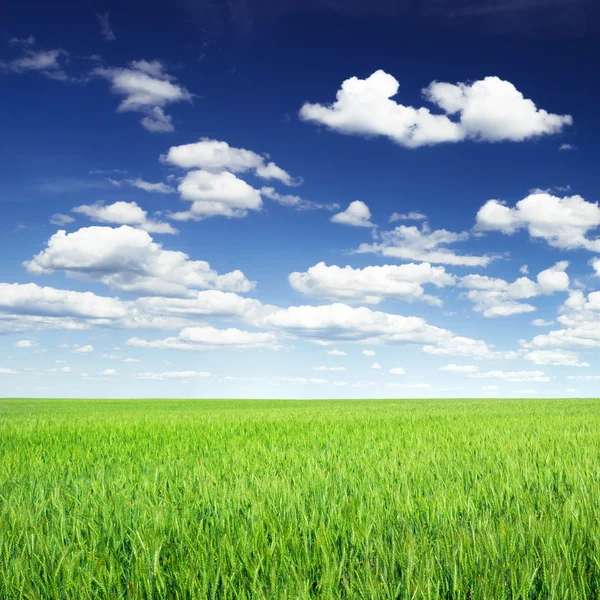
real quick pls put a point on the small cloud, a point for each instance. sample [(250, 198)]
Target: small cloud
[(25, 344), (411, 216), (397, 371), (375, 366), (105, 28), (108, 372), (567, 147), (83, 349), (356, 215), (524, 270), (335, 352), (369, 352), (60, 219)]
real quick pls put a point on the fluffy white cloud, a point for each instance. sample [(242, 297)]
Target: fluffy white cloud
[(207, 338), (216, 194), (108, 373), (452, 368), (172, 375), (369, 352), (146, 88), (397, 371), (335, 352), (295, 201), (375, 365), (555, 358), (83, 349), (412, 243), (357, 215), (490, 109), (371, 284), (463, 346), (25, 344), (215, 156), (126, 259), (562, 222), (123, 213), (497, 298), (514, 376), (541, 323)]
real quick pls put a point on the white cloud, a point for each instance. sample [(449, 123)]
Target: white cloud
[(209, 338), (412, 243), (372, 284), (105, 29), (66, 369), (146, 88), (60, 219), (324, 368), (216, 156), (490, 109), (295, 201), (172, 375), (26, 344), (497, 298), (411, 216), (126, 259), (514, 376), (83, 349), (463, 346), (541, 323), (123, 213), (49, 63), (108, 372), (160, 187), (397, 371), (357, 215), (216, 194), (375, 365), (4, 371), (555, 358), (335, 352), (562, 222), (566, 147), (368, 352), (452, 368)]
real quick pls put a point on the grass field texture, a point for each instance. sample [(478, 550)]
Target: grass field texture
[(454, 499)]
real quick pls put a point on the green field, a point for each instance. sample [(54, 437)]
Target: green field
[(478, 499)]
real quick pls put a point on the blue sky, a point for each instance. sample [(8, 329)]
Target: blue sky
[(257, 199)]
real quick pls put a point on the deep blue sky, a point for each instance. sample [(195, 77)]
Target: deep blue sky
[(250, 67)]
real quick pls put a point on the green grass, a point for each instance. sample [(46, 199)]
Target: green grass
[(469, 499)]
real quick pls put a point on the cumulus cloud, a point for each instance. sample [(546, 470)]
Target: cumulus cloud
[(412, 243), (555, 358), (128, 260), (495, 297), (562, 222), (215, 156), (489, 109), (209, 338), (375, 366), (123, 213), (371, 285), (368, 352), (541, 323), (26, 344), (147, 89), (357, 215), (216, 194), (86, 349)]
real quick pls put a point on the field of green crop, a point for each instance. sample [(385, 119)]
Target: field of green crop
[(469, 499)]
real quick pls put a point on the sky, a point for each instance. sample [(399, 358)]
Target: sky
[(315, 199)]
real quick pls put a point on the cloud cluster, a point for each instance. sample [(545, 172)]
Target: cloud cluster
[(128, 260), (371, 285), (489, 109), (147, 88)]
